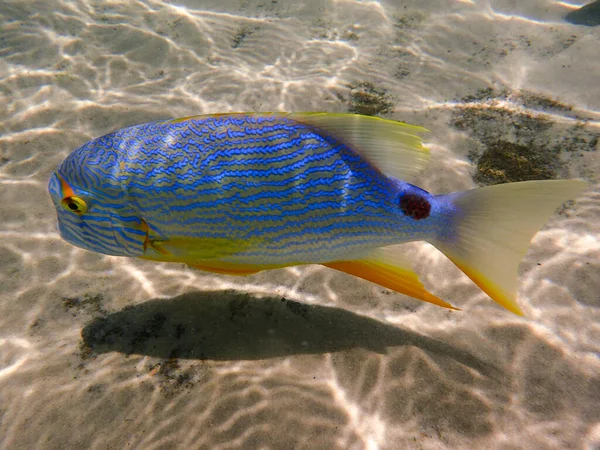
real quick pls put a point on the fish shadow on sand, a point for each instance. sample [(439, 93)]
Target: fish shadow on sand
[(227, 325)]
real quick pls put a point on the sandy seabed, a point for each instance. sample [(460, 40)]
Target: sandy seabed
[(101, 352)]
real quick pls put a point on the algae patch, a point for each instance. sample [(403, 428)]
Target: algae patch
[(410, 21), (407, 25), (521, 135), (486, 119), (368, 100), (504, 162), (241, 34), (542, 102), (171, 376), (88, 303)]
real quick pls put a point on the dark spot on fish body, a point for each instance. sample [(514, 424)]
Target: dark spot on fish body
[(415, 206)]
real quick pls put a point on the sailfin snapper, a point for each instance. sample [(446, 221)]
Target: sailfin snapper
[(240, 193)]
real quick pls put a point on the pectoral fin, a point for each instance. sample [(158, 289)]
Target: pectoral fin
[(391, 270)]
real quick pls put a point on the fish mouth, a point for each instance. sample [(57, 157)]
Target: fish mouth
[(54, 186), (83, 236)]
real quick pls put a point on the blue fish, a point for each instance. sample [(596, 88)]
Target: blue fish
[(241, 193)]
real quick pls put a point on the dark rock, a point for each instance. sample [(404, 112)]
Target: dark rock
[(588, 15)]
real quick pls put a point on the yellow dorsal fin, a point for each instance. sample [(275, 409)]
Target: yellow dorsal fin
[(395, 148)]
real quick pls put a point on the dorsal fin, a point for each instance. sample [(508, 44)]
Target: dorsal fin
[(395, 148)]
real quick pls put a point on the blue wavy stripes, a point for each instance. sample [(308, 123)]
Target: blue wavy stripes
[(270, 179)]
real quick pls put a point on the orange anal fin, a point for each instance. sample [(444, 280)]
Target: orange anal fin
[(394, 278)]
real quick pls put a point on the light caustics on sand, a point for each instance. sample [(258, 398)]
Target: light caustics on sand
[(75, 70)]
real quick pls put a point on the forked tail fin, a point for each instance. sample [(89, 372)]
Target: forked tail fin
[(492, 229)]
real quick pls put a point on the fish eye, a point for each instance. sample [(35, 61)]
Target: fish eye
[(74, 204)]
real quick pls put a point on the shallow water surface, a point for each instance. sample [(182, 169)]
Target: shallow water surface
[(107, 352)]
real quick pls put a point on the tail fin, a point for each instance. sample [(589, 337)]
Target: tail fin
[(492, 229)]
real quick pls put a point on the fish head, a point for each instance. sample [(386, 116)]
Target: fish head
[(92, 208)]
